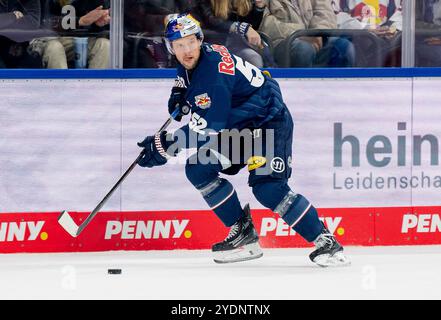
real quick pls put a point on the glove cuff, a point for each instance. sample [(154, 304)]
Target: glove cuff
[(159, 146)]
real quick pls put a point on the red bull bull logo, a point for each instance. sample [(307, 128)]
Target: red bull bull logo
[(203, 101), (178, 27)]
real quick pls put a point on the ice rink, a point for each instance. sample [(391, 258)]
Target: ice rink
[(375, 273)]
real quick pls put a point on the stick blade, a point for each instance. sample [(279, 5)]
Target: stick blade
[(66, 221)]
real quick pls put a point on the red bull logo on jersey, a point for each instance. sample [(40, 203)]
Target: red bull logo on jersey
[(203, 101), (227, 65)]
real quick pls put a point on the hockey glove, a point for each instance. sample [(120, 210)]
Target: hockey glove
[(155, 148), (177, 100)]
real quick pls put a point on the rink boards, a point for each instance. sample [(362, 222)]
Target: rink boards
[(168, 230), (366, 153)]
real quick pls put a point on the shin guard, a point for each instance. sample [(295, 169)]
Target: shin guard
[(300, 215), (222, 199)]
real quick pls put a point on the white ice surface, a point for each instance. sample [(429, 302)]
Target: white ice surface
[(375, 273)]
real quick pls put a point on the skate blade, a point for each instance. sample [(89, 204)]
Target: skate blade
[(248, 252), (337, 260)]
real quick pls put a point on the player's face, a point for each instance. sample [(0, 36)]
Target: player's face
[(187, 51)]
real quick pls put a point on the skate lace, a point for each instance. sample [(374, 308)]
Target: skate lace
[(323, 240), (233, 231)]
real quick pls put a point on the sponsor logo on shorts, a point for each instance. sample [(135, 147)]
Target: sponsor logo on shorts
[(278, 165), (255, 162)]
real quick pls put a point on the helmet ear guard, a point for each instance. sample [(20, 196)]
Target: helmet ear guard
[(169, 47), (181, 26)]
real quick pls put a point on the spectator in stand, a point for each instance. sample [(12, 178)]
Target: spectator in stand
[(284, 17), (149, 15), (383, 18), (428, 20), (144, 30), (18, 15), (376, 15), (91, 16), (233, 23)]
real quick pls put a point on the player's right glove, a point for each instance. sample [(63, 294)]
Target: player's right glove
[(155, 153), (157, 149), (177, 100)]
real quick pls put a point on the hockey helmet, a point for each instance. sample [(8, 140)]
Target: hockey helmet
[(180, 26)]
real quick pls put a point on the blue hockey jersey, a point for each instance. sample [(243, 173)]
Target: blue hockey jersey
[(226, 92)]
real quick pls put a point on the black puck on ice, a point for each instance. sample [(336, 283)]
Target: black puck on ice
[(114, 271)]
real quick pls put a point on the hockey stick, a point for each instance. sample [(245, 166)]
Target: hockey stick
[(66, 221)]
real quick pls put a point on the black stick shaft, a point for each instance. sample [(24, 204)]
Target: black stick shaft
[(109, 194)]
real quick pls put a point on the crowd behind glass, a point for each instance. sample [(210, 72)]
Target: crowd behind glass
[(61, 34)]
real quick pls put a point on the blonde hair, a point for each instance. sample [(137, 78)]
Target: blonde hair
[(222, 8)]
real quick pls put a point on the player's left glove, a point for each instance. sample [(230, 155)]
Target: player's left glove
[(177, 100), (155, 150)]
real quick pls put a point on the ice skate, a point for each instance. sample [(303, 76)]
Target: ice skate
[(328, 253), (241, 244)]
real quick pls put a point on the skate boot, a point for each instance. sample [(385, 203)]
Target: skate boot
[(241, 244), (328, 253)]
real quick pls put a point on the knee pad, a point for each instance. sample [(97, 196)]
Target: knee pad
[(216, 192), (200, 174), (300, 215), (293, 208), (278, 197), (270, 193)]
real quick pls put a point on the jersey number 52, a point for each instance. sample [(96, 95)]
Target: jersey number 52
[(197, 123)]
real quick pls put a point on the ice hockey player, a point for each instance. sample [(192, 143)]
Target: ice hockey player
[(225, 93)]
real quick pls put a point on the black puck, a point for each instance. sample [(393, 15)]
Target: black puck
[(114, 271)]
